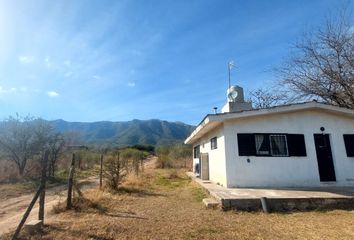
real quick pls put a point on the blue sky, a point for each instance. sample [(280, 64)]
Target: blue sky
[(122, 60)]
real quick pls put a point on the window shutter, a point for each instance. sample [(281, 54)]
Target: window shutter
[(296, 145), (349, 144), (246, 144)]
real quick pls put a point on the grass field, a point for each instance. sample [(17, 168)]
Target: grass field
[(165, 204)]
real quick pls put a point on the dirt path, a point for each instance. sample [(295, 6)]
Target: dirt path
[(12, 209)]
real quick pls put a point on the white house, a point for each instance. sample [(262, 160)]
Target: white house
[(297, 145)]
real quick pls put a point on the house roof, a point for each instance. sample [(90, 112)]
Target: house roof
[(211, 121)]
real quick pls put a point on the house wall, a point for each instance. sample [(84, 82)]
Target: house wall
[(288, 171), (217, 167)]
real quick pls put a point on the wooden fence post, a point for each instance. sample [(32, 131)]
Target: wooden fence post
[(70, 183), (43, 183), (101, 170), (28, 211)]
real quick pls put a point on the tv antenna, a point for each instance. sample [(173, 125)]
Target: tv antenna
[(230, 65)]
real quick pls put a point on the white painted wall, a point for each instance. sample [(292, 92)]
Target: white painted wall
[(217, 166), (287, 171)]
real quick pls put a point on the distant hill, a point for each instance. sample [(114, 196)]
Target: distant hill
[(147, 132)]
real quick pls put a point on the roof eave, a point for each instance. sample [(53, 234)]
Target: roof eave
[(208, 123), (215, 119)]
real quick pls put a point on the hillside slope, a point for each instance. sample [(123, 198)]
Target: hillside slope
[(151, 132)]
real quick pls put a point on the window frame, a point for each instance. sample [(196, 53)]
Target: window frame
[(347, 138), (248, 143), (214, 143), (266, 138), (286, 145), (195, 151)]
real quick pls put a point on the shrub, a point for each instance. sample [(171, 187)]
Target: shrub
[(135, 159), (115, 170), (174, 156)]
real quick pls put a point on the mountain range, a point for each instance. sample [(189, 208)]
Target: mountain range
[(135, 132)]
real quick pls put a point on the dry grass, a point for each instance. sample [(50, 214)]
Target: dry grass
[(163, 204), (8, 171), (11, 190)]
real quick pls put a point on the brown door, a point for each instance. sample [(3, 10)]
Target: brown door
[(204, 168)]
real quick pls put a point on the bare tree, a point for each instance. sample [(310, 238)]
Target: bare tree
[(23, 138), (56, 146), (17, 140), (134, 159), (323, 64), (180, 155), (265, 98), (115, 170), (43, 134)]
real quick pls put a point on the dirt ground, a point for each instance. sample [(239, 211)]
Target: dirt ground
[(165, 204), (13, 205)]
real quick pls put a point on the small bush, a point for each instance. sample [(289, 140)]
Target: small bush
[(174, 156), (115, 170), (134, 180), (80, 204)]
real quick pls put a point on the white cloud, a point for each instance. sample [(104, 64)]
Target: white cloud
[(47, 62), (31, 76), (52, 94), (96, 77), (67, 62), (131, 84), (25, 59), (68, 74), (9, 90), (13, 90)]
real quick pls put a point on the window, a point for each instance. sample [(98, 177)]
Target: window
[(349, 144), (262, 144), (214, 143), (246, 144), (196, 151), (269, 144), (296, 145), (278, 145)]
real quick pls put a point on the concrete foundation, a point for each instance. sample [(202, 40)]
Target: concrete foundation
[(211, 203), (289, 199), (33, 226)]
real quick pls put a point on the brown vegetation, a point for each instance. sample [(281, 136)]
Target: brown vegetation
[(174, 156), (165, 204)]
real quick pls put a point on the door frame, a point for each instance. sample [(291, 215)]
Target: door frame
[(325, 164), (204, 173)]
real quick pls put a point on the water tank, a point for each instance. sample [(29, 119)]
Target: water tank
[(235, 94)]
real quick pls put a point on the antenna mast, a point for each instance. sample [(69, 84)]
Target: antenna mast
[(230, 66)]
